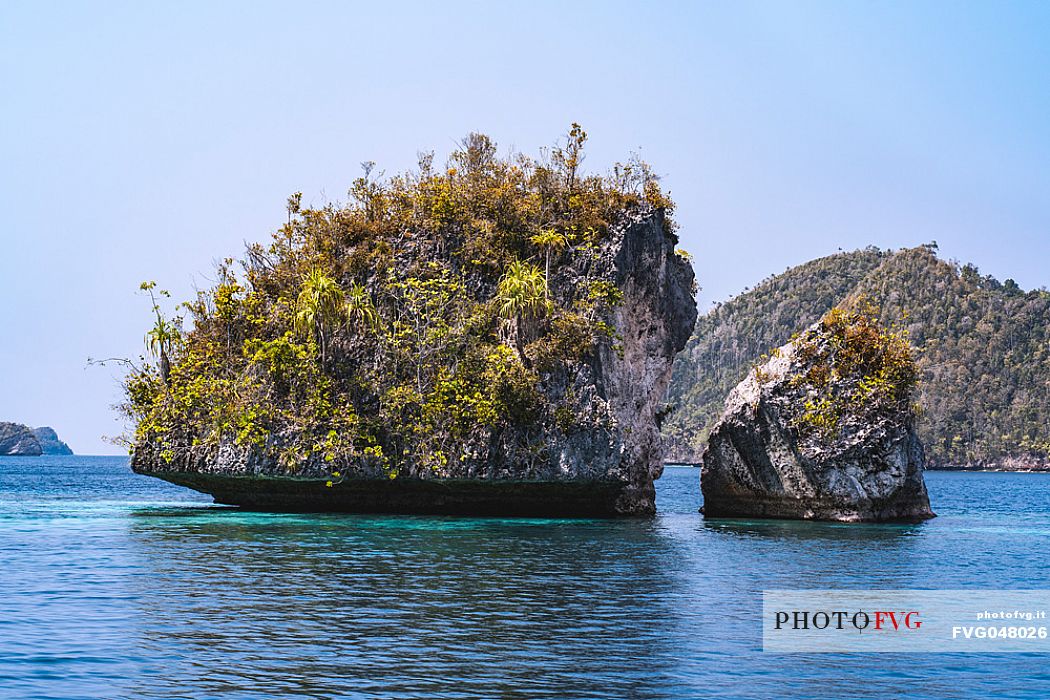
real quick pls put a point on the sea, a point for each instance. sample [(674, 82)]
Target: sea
[(114, 585)]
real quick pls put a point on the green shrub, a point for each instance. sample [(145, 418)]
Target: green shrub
[(854, 367)]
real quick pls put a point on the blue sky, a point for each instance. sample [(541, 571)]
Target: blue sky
[(143, 141)]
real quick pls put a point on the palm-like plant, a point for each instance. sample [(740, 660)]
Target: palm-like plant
[(320, 305), (551, 242), (161, 339), (523, 298), (359, 306)]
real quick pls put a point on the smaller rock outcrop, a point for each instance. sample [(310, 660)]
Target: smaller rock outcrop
[(18, 440), (49, 442), (823, 429)]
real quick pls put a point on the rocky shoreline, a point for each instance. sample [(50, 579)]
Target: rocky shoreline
[(992, 469), (408, 496)]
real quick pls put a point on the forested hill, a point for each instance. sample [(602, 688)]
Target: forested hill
[(983, 349)]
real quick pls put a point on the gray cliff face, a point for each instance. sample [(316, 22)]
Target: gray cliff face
[(757, 465), (49, 442), (655, 321), (604, 465), (18, 440)]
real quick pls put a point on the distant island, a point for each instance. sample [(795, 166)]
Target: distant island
[(983, 352), (17, 440)]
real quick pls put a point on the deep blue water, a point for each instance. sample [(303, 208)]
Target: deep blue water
[(114, 585)]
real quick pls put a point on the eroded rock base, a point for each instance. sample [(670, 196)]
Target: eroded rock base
[(404, 496)]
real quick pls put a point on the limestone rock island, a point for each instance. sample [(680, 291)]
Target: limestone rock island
[(823, 429), (492, 336), (17, 440), (50, 444), (22, 441)]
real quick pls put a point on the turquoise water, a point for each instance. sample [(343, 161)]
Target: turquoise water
[(114, 585)]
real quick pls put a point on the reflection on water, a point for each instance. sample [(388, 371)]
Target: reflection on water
[(117, 585), (402, 605), (793, 530)]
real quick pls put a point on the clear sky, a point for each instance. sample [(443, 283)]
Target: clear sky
[(145, 141)]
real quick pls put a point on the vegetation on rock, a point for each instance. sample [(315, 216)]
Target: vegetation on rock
[(856, 372), (437, 319)]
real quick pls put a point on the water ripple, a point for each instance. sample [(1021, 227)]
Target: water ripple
[(119, 586)]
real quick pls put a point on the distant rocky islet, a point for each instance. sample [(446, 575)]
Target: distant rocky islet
[(18, 440)]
